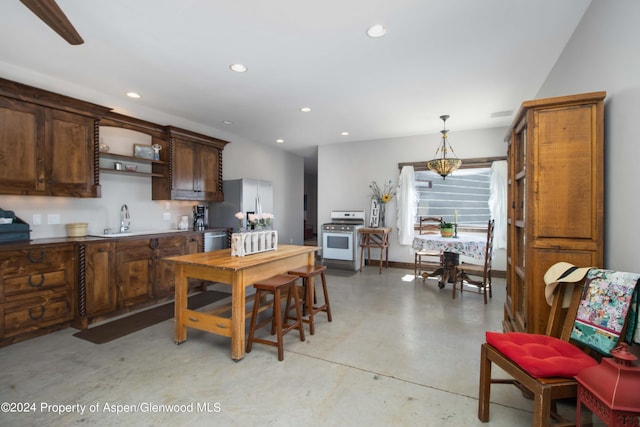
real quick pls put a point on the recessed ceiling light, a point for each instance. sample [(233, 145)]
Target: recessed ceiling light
[(377, 30), (305, 109), (133, 95), (238, 68), (280, 141), (344, 133), (227, 122)]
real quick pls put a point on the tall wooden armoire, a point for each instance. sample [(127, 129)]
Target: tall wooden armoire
[(555, 199)]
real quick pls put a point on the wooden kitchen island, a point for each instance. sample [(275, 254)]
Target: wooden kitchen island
[(239, 272)]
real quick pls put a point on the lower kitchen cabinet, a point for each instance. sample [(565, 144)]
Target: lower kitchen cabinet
[(37, 292), (122, 275), (44, 287), (133, 271), (164, 273), (96, 282)]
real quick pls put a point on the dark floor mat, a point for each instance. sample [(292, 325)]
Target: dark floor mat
[(135, 322)]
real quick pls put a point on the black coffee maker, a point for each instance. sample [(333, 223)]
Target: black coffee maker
[(200, 217)]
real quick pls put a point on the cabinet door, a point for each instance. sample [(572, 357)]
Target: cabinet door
[(207, 171), (21, 144), (195, 244), (565, 199), (100, 283), (164, 279), (133, 272), (183, 167), (70, 154)]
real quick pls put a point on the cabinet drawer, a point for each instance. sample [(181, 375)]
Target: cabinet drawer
[(35, 260), (35, 282), (24, 313)]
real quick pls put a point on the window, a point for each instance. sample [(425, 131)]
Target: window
[(465, 192)]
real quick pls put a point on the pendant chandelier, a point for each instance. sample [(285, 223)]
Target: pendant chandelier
[(442, 164)]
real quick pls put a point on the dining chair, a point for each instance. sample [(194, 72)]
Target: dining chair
[(542, 366), (478, 276), (427, 262)]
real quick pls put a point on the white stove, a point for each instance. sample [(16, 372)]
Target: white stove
[(340, 240)]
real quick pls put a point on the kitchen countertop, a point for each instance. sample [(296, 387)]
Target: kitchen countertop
[(66, 240)]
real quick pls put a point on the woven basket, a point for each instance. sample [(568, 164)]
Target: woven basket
[(77, 229)]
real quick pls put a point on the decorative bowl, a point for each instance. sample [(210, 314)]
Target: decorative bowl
[(131, 168)]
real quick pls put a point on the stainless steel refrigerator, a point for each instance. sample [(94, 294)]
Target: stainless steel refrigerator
[(246, 195)]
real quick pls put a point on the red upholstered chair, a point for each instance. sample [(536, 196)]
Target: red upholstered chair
[(540, 364)]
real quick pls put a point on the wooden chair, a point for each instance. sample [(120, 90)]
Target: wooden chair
[(428, 263), (545, 391), (477, 275)]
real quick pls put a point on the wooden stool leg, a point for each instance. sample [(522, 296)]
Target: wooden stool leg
[(309, 297), (296, 303), (278, 323), (326, 296), (254, 315)]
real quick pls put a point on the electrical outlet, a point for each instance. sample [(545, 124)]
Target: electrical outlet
[(37, 219), (53, 219), (166, 216)]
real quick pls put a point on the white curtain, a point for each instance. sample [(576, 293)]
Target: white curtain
[(498, 202), (407, 205)]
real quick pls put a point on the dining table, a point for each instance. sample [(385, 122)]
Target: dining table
[(472, 245), (239, 272)]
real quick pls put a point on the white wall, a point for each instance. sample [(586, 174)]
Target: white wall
[(285, 170), (603, 55), (241, 159), (345, 171)]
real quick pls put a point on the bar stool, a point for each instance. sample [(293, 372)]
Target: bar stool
[(307, 272), (275, 285)]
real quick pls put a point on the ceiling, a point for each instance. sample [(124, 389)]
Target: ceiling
[(467, 58)]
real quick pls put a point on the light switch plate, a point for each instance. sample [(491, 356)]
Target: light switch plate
[(166, 216)]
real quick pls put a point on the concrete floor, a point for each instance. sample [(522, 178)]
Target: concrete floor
[(398, 352)]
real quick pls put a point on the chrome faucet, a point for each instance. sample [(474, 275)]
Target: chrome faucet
[(125, 221)]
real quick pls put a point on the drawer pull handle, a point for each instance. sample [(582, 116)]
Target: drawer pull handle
[(33, 316), (36, 285), (193, 319), (36, 260)]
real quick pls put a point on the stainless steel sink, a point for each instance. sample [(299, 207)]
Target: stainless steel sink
[(136, 233)]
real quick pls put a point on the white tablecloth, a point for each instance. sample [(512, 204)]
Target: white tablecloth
[(470, 245)]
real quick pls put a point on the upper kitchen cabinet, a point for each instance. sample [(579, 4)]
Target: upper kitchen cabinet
[(194, 168), (48, 143)]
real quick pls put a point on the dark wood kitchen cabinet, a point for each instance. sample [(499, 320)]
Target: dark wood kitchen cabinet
[(194, 170), (96, 281), (141, 275), (48, 143), (164, 280), (120, 275), (133, 271), (36, 290)]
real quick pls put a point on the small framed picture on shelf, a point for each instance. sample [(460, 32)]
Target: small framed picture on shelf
[(143, 151)]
